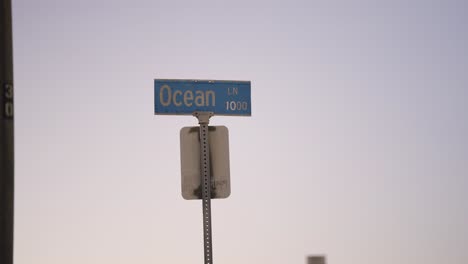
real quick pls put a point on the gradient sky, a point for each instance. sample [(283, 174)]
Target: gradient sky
[(357, 146)]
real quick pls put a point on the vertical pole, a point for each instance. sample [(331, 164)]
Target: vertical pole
[(6, 134), (316, 260), (203, 120)]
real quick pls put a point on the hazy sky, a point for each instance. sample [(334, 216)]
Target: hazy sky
[(357, 146)]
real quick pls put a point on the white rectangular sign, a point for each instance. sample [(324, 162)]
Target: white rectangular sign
[(219, 162)]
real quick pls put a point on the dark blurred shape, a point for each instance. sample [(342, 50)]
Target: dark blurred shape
[(316, 260), (6, 134)]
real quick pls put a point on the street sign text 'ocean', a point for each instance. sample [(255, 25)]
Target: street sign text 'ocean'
[(184, 97)]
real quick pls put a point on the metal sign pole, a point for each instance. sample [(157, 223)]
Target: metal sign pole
[(203, 120), (6, 134), (203, 99)]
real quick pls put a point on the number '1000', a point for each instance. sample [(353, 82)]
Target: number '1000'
[(236, 106)]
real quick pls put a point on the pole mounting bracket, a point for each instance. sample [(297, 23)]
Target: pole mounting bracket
[(203, 117)]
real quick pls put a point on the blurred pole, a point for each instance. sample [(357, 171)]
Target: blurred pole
[(316, 260), (6, 134)]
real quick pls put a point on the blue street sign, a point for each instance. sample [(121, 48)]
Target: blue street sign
[(184, 97)]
